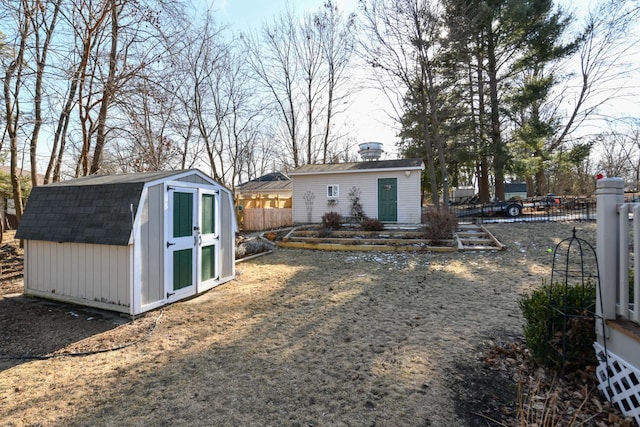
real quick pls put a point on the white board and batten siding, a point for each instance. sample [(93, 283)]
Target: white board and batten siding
[(149, 247), (227, 240), (408, 206), (94, 275)]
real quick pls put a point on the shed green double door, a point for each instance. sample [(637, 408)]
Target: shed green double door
[(192, 264)]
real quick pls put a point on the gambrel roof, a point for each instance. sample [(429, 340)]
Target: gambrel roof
[(95, 209)]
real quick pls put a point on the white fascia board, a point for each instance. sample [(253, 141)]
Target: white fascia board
[(183, 174), (420, 168)]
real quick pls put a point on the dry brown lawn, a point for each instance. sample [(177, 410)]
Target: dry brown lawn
[(300, 338)]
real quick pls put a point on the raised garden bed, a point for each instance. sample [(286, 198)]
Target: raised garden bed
[(467, 237)]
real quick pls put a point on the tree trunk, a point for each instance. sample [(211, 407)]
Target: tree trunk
[(41, 64), (484, 192), (12, 109), (435, 123), (59, 137), (498, 149), (109, 89), (431, 167), (541, 182)]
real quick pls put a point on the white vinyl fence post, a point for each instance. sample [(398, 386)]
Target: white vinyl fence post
[(609, 193)]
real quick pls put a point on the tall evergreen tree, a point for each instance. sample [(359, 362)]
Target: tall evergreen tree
[(506, 40)]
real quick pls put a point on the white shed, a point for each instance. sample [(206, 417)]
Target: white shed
[(389, 190), (128, 243)]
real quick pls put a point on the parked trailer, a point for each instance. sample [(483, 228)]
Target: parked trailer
[(510, 209)]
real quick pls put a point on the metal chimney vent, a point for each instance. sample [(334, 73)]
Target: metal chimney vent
[(370, 151)]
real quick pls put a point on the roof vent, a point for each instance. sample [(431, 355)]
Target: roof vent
[(370, 151)]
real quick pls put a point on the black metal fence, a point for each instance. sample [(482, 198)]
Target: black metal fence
[(546, 208)]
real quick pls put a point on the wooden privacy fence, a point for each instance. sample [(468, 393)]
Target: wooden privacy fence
[(260, 212)]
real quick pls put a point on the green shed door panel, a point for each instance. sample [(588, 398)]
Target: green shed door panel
[(208, 239), (180, 256), (182, 214), (208, 263), (388, 199), (192, 248), (182, 268), (208, 214)]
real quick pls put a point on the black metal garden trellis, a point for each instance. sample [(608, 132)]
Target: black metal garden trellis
[(571, 326)]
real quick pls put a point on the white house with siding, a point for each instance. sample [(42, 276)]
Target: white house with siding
[(389, 190), (128, 243)]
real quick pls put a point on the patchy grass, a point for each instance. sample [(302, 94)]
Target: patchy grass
[(299, 338)]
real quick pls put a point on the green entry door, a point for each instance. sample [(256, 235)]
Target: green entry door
[(388, 199), (208, 262), (181, 243)]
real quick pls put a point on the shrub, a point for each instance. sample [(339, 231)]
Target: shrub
[(557, 314), (371, 224), (331, 220), (441, 224), (324, 232), (356, 209)]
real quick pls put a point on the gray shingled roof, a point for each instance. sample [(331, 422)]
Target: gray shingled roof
[(93, 209), (273, 176), (258, 186), (274, 181), (359, 166)]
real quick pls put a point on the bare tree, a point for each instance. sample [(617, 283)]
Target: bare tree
[(145, 135), (92, 21), (605, 60), (309, 54), (618, 151), (12, 86), (303, 66), (337, 35), (207, 57), (244, 122), (47, 24), (401, 39), (272, 57), (119, 40), (88, 25)]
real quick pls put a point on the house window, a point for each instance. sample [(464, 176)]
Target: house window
[(333, 191)]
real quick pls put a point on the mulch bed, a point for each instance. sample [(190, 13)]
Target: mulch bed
[(545, 398)]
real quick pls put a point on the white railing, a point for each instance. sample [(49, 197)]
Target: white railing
[(614, 233), (617, 354), (628, 294)]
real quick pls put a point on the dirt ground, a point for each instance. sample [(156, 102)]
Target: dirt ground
[(300, 338)]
